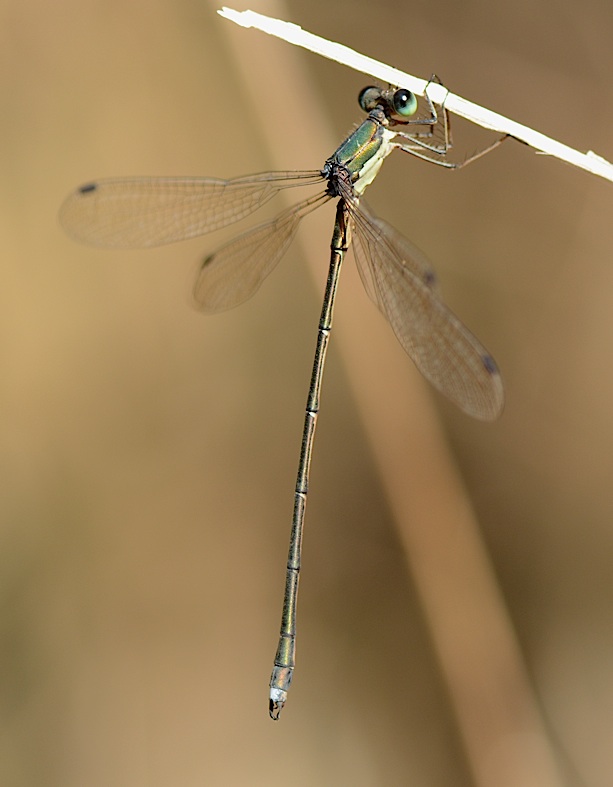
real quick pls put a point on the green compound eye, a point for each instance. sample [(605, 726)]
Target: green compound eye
[(369, 98), (405, 102)]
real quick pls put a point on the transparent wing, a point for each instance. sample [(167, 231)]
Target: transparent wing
[(399, 279), (139, 212), (234, 272), (413, 258)]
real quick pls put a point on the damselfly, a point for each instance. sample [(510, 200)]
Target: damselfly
[(138, 212)]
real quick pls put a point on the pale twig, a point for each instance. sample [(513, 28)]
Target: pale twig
[(294, 34)]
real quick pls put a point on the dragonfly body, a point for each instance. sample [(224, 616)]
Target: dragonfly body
[(134, 212), (351, 168)]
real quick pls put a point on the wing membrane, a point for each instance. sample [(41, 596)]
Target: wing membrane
[(141, 212), (398, 278), (234, 272)]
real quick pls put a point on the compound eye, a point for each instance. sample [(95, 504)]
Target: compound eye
[(404, 102), (369, 98)]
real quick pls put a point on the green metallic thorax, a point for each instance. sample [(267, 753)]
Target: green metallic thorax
[(363, 152), (360, 147)]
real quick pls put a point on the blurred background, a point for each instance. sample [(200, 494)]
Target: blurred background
[(148, 452)]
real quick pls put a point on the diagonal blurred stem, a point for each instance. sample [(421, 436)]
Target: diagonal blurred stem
[(503, 734)]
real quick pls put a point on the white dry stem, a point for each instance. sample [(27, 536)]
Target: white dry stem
[(543, 144)]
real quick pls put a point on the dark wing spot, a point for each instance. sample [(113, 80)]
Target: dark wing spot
[(430, 279), (87, 188), (490, 364)]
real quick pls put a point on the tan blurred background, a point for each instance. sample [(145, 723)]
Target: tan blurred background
[(148, 453)]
